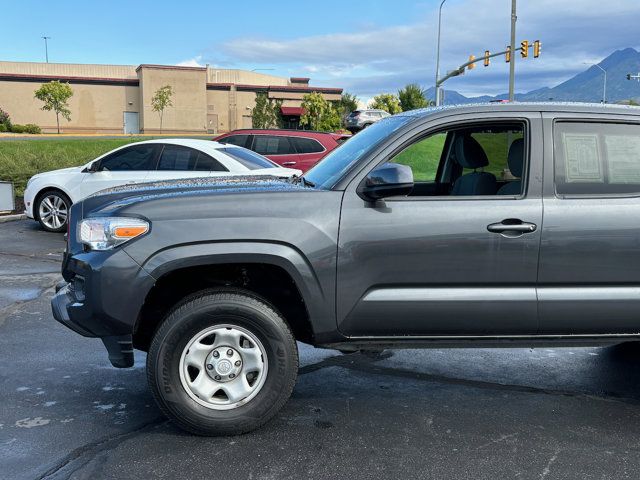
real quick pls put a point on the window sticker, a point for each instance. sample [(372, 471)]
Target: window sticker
[(582, 158), (623, 155)]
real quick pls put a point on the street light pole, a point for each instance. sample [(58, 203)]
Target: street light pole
[(512, 62), (438, 54), (604, 88), (46, 48)]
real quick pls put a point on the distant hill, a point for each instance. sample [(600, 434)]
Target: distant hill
[(583, 87)]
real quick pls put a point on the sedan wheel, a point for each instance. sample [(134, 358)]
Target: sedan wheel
[(53, 211)]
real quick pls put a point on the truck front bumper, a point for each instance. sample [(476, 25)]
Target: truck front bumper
[(101, 297), (119, 347)]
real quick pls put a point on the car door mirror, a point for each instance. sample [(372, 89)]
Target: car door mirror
[(387, 180), (94, 167)]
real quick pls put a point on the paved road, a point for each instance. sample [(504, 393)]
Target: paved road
[(477, 414)]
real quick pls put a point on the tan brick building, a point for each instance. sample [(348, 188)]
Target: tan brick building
[(117, 98)]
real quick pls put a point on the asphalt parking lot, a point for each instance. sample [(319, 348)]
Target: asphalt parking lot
[(509, 413)]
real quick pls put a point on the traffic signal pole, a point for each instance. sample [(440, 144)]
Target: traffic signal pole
[(460, 70), (512, 63)]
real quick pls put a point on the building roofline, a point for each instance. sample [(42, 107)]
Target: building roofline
[(274, 88), (20, 77), (170, 67)]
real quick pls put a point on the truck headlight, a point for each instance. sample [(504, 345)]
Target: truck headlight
[(105, 233)]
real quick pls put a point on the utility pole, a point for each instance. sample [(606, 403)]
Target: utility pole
[(512, 63), (46, 48), (438, 55)]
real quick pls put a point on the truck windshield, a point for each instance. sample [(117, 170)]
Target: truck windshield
[(335, 165)]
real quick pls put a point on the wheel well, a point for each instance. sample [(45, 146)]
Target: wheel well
[(41, 193), (271, 282)]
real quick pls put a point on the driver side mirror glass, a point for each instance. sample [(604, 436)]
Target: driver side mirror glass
[(387, 180)]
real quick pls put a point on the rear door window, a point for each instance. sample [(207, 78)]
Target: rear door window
[(249, 159), (307, 145), (272, 145), (597, 158), (180, 158)]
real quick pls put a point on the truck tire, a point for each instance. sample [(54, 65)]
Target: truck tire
[(223, 362)]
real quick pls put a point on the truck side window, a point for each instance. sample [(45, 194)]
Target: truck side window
[(597, 158), (474, 161)]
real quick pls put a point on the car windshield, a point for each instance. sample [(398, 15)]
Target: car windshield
[(337, 163), (251, 160)]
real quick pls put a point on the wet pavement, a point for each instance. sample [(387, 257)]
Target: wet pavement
[(476, 413)]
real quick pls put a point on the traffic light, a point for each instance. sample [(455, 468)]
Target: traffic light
[(486, 58), (524, 48), (471, 65), (537, 47), (507, 55)]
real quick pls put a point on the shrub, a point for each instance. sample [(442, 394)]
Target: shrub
[(32, 128), (5, 120), (16, 128), (3, 128)]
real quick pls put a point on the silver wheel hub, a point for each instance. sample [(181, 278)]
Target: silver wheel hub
[(224, 364), (53, 211), (223, 367)]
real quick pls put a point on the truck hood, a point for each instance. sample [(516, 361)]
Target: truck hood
[(117, 197)]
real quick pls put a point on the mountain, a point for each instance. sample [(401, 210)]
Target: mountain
[(583, 87)]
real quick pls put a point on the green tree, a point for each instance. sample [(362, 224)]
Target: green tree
[(348, 103), (266, 113), (387, 102), (161, 100), (412, 96), (320, 114), (55, 96)]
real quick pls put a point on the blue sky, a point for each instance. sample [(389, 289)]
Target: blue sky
[(367, 47)]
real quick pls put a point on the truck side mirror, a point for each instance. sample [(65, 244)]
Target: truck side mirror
[(387, 180)]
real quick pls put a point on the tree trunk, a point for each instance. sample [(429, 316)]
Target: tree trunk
[(161, 115), (58, 122)]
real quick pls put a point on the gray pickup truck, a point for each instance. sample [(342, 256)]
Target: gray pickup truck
[(493, 225)]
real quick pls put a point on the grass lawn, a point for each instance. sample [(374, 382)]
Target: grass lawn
[(21, 159)]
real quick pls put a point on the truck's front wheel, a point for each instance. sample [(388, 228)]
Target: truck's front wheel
[(222, 363)]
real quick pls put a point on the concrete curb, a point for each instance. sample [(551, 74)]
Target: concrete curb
[(12, 218)]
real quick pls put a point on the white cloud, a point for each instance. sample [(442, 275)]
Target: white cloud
[(374, 59), (191, 62)]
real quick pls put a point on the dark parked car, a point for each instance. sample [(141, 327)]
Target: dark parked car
[(512, 224), (300, 149)]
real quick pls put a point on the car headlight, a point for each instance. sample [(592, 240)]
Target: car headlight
[(105, 233)]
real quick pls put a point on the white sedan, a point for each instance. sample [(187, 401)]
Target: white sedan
[(49, 195)]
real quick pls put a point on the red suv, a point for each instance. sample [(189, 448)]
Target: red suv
[(300, 149)]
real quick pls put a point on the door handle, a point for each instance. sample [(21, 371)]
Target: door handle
[(512, 227), (288, 164)]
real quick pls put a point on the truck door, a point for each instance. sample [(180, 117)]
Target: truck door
[(459, 256)]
